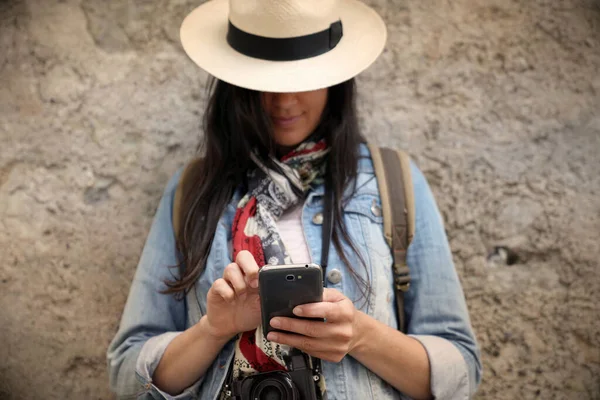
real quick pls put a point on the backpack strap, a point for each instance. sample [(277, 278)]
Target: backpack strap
[(392, 169)]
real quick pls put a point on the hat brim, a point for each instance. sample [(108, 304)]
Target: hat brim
[(204, 39)]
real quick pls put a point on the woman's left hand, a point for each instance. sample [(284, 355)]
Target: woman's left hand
[(330, 340)]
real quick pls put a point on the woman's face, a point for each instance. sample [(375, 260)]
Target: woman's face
[(294, 115)]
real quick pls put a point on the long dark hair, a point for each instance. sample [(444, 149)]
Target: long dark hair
[(235, 122)]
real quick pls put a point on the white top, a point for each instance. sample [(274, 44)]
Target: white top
[(292, 235)]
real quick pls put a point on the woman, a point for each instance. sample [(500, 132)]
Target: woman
[(281, 137)]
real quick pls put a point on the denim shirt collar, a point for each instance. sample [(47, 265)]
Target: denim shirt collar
[(365, 166)]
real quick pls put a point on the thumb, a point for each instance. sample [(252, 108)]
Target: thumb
[(332, 295)]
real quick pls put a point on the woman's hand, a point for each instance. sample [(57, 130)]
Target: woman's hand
[(330, 340), (233, 302)]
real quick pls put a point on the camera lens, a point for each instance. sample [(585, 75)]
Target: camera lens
[(273, 389), (275, 385), (290, 277), (271, 393), (278, 386)]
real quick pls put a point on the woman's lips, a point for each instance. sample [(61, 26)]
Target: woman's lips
[(285, 122)]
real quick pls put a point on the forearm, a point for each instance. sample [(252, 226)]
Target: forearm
[(187, 358), (398, 359)]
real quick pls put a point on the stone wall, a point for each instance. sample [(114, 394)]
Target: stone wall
[(497, 101)]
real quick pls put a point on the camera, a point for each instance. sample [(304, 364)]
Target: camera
[(298, 383)]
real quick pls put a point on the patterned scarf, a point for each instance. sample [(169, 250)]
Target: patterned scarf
[(270, 194)]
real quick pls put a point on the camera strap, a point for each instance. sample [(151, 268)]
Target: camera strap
[(328, 226), (328, 217)]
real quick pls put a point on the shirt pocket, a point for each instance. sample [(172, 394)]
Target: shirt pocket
[(364, 218)]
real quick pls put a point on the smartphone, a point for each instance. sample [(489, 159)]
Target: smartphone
[(283, 287)]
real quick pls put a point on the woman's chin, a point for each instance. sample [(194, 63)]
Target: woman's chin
[(289, 140)]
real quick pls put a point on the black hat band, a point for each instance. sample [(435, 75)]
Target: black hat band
[(285, 49)]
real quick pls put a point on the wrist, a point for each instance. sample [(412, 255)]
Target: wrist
[(361, 327), (206, 330)]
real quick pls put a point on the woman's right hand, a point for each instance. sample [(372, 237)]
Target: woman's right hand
[(233, 302)]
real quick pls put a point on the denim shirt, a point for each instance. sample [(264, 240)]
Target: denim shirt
[(435, 306)]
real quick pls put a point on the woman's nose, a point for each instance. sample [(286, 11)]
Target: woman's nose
[(284, 100)]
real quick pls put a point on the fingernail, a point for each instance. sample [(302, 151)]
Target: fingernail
[(254, 284), (275, 323), (297, 311), (272, 337)]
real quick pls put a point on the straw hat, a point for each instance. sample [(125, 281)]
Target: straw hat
[(283, 45)]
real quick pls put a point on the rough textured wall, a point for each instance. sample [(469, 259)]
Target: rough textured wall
[(497, 100)]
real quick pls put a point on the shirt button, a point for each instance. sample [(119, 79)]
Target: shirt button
[(318, 219), (334, 276), (375, 209)]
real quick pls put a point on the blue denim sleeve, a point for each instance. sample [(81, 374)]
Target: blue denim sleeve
[(150, 319), (435, 305)]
